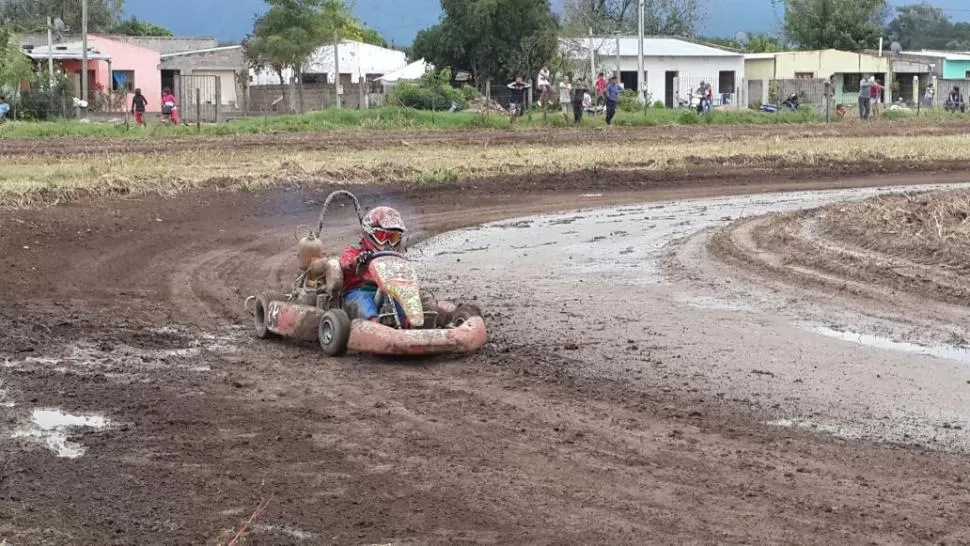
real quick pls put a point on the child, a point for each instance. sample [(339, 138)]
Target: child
[(4, 108), (517, 100), (138, 106), (168, 106), (565, 97), (545, 87), (580, 98), (612, 97), (382, 229)]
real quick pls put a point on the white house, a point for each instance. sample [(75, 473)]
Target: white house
[(357, 60), (673, 67)]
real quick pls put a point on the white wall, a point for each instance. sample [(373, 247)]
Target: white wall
[(691, 71), (356, 59)]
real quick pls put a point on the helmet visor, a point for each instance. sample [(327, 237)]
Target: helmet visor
[(388, 237)]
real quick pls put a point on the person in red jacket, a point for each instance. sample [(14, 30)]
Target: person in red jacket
[(382, 229)]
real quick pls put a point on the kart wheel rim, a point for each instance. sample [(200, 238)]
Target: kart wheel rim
[(327, 332)]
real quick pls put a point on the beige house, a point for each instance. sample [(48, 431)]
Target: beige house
[(816, 67)]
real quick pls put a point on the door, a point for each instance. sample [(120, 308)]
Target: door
[(726, 86), (168, 79), (670, 94)]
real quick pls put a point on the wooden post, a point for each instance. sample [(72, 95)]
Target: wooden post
[(488, 96), (218, 96), (336, 65), (361, 93), (198, 109)]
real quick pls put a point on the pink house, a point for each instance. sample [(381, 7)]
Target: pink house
[(113, 68)]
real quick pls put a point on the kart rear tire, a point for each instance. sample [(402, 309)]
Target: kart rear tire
[(464, 312), (334, 332), (259, 314)]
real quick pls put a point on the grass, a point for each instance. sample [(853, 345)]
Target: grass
[(31, 180), (405, 118)]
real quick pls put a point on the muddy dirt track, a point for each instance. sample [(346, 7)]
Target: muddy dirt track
[(364, 139), (131, 310)]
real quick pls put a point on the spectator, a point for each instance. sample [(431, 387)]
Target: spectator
[(168, 106), (517, 98), (865, 96), (579, 96), (928, 96), (955, 101), (600, 89), (613, 91), (545, 87), (138, 106), (565, 96), (4, 108), (875, 101)]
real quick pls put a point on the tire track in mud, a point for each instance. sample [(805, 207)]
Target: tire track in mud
[(525, 442)]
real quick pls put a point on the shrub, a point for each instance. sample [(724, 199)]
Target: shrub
[(689, 117), (659, 105), (433, 92), (470, 93), (628, 101)]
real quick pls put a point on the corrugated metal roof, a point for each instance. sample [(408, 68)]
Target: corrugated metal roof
[(199, 51), (948, 55), (759, 56), (652, 47), (65, 52)]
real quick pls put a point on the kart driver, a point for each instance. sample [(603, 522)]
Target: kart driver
[(382, 229)]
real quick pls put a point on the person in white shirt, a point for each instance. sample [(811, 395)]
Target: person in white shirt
[(545, 88), (565, 96)]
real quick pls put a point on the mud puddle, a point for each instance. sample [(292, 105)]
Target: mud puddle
[(51, 428), (599, 276), (938, 350)]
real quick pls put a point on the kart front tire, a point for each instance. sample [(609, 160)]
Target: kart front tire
[(259, 314), (334, 332)]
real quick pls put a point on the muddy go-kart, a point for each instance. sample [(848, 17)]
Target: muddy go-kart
[(411, 322)]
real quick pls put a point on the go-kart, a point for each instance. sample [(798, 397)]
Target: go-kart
[(411, 321)]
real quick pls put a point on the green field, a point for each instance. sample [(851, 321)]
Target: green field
[(406, 118)]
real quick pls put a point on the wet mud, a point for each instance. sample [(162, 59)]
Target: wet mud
[(627, 390)]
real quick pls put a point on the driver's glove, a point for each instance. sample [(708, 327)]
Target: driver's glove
[(362, 260)]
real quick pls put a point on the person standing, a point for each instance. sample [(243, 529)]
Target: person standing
[(928, 96), (4, 108), (517, 97), (600, 86), (138, 105), (875, 106), (613, 91), (565, 97), (579, 93), (865, 96)]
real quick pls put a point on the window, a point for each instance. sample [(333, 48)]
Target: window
[(850, 83), (123, 80), (804, 75), (966, 75)]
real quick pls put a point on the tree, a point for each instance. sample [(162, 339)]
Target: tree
[(661, 17), (494, 39), (922, 26), (135, 27), (850, 25), (288, 34), (31, 15), (757, 43), (14, 65)]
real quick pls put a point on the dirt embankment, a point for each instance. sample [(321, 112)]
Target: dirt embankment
[(131, 308), (892, 246)]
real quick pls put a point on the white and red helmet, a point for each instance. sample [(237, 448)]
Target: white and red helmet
[(382, 228)]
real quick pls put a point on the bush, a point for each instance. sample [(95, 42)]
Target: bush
[(628, 101), (659, 105), (470, 93), (433, 92), (689, 117)]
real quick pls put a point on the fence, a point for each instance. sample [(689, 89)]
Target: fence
[(199, 98)]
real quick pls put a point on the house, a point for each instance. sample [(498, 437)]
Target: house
[(357, 60), (115, 70), (953, 65), (214, 71), (673, 67), (813, 68)]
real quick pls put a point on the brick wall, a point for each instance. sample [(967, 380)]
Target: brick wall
[(315, 97)]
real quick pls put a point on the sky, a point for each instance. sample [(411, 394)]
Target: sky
[(400, 20)]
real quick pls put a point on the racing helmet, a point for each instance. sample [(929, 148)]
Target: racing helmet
[(382, 228)]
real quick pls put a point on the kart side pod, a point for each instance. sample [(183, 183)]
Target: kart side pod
[(274, 316)]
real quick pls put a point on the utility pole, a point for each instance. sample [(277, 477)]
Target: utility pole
[(50, 52), (84, 53), (618, 58), (641, 92), (592, 56), (336, 63)]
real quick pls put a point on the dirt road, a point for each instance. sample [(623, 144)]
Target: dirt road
[(576, 424)]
